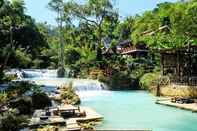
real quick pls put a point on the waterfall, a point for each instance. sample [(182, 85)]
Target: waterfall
[(88, 85), (49, 79), (42, 73), (37, 73)]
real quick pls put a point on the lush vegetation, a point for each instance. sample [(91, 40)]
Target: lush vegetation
[(20, 100), (68, 95), (148, 81), (88, 32), (88, 35)]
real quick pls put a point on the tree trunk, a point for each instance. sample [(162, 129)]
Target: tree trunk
[(98, 50)]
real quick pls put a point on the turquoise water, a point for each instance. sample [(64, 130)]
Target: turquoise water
[(125, 109), (137, 110)]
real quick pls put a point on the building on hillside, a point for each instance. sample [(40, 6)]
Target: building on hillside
[(180, 64), (127, 48)]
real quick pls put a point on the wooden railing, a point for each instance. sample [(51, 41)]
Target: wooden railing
[(127, 49)]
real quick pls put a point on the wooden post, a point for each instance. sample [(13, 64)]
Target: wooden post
[(158, 90), (178, 65), (161, 64)]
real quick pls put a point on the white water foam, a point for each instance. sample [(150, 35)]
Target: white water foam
[(48, 78)]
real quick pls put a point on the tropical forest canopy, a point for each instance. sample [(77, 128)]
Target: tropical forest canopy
[(87, 29)]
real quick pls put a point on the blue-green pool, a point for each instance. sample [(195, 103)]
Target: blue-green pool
[(137, 110), (123, 109)]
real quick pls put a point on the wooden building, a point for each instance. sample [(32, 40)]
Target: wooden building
[(180, 64), (127, 48)]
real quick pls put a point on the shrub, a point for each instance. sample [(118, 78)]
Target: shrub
[(102, 78), (147, 81), (40, 100), (10, 121), (120, 81), (3, 97), (72, 56), (23, 104), (37, 63), (22, 58), (19, 88), (68, 94)]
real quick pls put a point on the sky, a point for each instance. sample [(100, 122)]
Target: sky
[(39, 11)]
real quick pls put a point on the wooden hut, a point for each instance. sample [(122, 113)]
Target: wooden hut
[(180, 64), (127, 48)]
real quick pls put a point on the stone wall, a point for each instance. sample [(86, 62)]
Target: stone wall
[(179, 90)]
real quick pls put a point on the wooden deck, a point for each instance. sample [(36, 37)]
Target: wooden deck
[(91, 115), (69, 124), (191, 107)]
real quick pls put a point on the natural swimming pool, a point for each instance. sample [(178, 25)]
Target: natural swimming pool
[(127, 109), (137, 110)]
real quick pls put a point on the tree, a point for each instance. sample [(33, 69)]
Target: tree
[(94, 14), (18, 31), (57, 6), (1, 3), (180, 19)]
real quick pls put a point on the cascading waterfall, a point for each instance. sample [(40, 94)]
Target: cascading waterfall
[(42, 73), (36, 73), (85, 88), (49, 79), (88, 85)]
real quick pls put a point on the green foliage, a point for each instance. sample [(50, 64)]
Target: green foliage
[(69, 95), (180, 19), (1, 3), (10, 121), (71, 56), (98, 16), (102, 78), (3, 97), (20, 39), (40, 100), (23, 59), (121, 81), (147, 81), (23, 104), (19, 88)]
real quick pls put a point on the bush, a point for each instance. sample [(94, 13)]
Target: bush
[(3, 97), (23, 104), (40, 100), (121, 81), (102, 78), (147, 81), (69, 96), (4, 78), (10, 121), (19, 88), (72, 56), (22, 59), (37, 63)]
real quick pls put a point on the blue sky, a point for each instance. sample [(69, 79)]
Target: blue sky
[(39, 11)]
